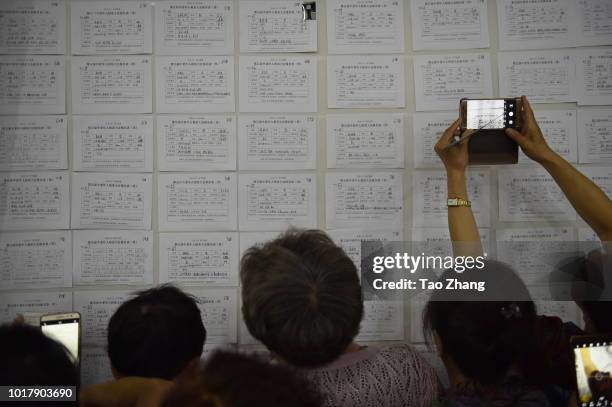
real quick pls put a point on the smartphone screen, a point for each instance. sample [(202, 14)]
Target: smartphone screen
[(491, 113), (593, 358), (66, 332)]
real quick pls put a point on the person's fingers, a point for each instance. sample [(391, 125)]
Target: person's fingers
[(515, 135), (450, 131), (19, 320), (465, 137), (448, 136), (528, 109)]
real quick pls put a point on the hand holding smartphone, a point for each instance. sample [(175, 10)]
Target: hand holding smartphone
[(487, 118)]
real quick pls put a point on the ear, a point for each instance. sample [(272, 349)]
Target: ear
[(588, 324), (439, 346), (116, 374), (191, 371)]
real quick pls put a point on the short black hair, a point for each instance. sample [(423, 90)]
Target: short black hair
[(30, 358), (156, 334), (237, 380), (590, 286), (484, 338), (301, 297)]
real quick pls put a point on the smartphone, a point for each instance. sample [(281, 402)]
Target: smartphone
[(593, 368), (66, 329), (489, 144), (479, 114)]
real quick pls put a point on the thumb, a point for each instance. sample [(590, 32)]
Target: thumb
[(515, 135)]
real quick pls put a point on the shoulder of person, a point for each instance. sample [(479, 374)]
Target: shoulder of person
[(403, 353)]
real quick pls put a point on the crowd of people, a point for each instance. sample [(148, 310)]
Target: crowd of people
[(302, 299)]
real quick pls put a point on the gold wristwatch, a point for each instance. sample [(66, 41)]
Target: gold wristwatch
[(453, 202)]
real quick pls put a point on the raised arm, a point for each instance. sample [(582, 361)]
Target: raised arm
[(586, 197), (461, 223)]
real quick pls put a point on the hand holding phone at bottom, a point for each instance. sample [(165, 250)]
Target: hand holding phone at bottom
[(452, 148), (530, 138)]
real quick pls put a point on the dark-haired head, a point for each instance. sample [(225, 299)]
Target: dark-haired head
[(484, 338), (236, 380), (155, 334), (30, 358), (590, 278), (301, 297)]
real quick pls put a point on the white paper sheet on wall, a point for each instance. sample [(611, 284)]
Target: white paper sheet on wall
[(32, 85), (219, 314), (205, 201), (277, 142), (356, 199), (559, 129), (112, 257), (276, 26), (536, 24), (365, 141), (587, 235), (194, 84), (588, 240), (36, 260), (350, 240), (194, 27), (111, 84), (595, 22), (534, 252), (449, 25), (111, 201), (543, 76), (113, 143), (32, 27), (244, 336), (196, 143), (382, 321), (96, 309), (95, 366), (34, 200), (204, 259), (595, 140), (427, 128), (365, 26), (429, 197), (417, 306), (111, 27), (277, 201), (440, 81), (531, 194), (39, 303), (278, 84), (594, 76), (33, 143), (568, 311), (365, 81)]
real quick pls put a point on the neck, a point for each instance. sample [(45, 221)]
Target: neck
[(353, 347), (455, 377)]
